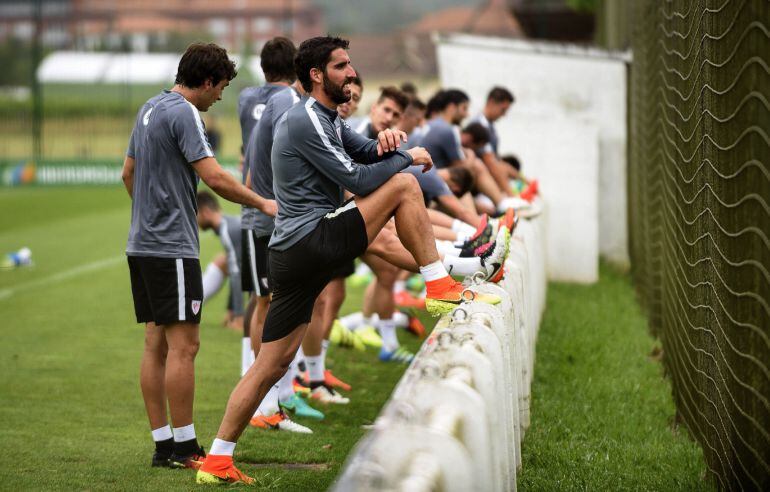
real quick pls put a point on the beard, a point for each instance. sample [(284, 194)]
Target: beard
[(336, 92)]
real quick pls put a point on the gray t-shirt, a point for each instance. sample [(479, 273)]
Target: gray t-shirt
[(442, 141), (229, 233), (315, 155), (251, 104), (491, 146), (168, 135), (257, 157)]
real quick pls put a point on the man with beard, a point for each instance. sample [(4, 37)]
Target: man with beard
[(315, 232)]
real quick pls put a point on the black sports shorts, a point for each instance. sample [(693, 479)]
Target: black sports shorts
[(166, 290), (300, 273), (254, 265)]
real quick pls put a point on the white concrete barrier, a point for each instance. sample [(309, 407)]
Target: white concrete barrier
[(456, 419)]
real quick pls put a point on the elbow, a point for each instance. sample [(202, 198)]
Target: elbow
[(216, 182)]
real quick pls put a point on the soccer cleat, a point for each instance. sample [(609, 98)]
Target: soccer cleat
[(345, 338), (278, 421), (160, 459), (326, 394), (415, 327), (220, 470), (300, 408), (192, 461), (509, 220), (368, 334), (331, 380), (493, 260), (406, 300), (300, 386), (400, 355), (481, 239), (446, 294), (530, 191)]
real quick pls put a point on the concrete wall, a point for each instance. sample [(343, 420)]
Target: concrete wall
[(568, 127)]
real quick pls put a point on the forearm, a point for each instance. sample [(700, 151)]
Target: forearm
[(128, 175), (366, 179), (497, 171), (456, 209), (226, 186)]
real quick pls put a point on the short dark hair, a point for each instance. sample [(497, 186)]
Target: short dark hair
[(357, 80), (277, 60), (500, 94), (435, 104), (392, 92), (315, 53), (204, 61), (478, 133), (417, 104), (409, 88), (512, 161), (463, 178), (207, 200), (454, 96)]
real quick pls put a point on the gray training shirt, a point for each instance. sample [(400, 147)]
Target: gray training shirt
[(257, 157), (168, 135), (442, 141), (315, 155), (251, 105), (229, 233), (491, 146)]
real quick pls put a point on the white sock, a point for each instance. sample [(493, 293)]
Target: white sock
[(353, 321), (186, 433), (269, 404), (324, 349), (315, 367), (400, 319), (387, 329), (447, 248), (300, 356), (286, 386), (213, 278), (247, 355), (222, 448), (461, 227), (433, 271), (399, 286), (463, 266), (162, 433)]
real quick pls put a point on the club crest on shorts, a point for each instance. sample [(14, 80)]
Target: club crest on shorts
[(196, 306)]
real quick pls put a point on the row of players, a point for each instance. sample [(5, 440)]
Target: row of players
[(301, 233)]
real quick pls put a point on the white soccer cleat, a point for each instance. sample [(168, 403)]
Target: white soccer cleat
[(324, 394), (493, 261), (289, 425)]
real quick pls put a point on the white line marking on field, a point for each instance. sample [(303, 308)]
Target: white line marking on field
[(58, 277)]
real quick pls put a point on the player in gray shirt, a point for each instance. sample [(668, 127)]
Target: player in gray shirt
[(314, 157), (167, 154), (499, 100)]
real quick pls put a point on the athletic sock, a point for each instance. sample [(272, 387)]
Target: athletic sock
[(353, 321), (462, 266), (460, 226), (213, 279), (164, 439), (447, 248), (222, 448), (324, 349), (315, 368), (269, 404), (400, 319), (185, 442), (247, 355), (286, 386), (433, 271), (387, 329)]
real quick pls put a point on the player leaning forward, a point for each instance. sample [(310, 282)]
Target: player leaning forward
[(315, 156), (167, 154)]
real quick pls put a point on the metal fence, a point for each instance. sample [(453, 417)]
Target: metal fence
[(699, 217)]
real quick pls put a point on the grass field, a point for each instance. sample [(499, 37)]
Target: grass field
[(72, 416)]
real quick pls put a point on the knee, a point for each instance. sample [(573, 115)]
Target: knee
[(406, 183), (186, 351)]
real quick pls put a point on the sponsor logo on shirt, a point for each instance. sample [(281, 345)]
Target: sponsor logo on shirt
[(146, 119), (196, 306), (257, 111)]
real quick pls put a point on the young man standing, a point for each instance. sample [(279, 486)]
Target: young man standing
[(315, 232), (167, 153)]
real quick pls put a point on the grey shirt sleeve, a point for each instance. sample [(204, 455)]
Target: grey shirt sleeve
[(450, 142), (320, 147), (359, 147), (190, 134)]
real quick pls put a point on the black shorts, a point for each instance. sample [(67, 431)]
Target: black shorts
[(254, 269), (166, 290), (301, 272), (345, 270)]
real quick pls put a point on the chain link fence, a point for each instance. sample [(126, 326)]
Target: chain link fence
[(699, 217)]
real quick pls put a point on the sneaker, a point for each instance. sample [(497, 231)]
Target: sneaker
[(446, 294), (509, 220), (406, 300), (345, 338), (192, 461), (331, 380), (400, 355), (415, 327), (219, 470), (160, 458), (299, 388), (493, 260), (300, 408), (326, 394), (479, 240), (530, 191), (278, 421), (368, 334)]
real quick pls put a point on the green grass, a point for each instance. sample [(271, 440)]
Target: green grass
[(72, 414), (602, 415)]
